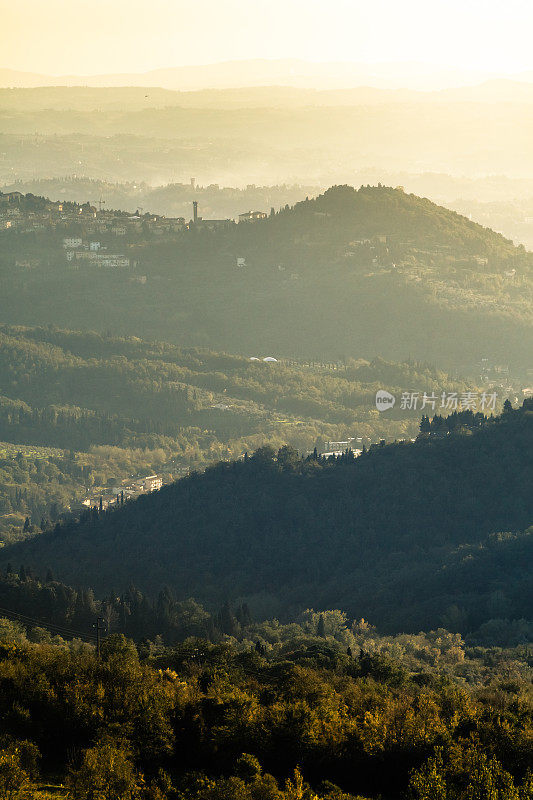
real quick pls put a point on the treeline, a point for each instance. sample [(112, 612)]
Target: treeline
[(409, 520), (443, 425), (65, 428), (49, 607)]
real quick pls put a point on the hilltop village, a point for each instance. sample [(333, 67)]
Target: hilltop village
[(27, 213), (94, 234)]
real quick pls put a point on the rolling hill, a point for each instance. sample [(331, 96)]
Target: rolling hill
[(80, 412), (263, 135), (131, 97), (373, 271)]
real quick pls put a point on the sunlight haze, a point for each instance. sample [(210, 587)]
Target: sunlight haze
[(83, 38), (266, 400)]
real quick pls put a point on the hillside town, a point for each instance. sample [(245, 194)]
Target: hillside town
[(93, 235), (27, 213)]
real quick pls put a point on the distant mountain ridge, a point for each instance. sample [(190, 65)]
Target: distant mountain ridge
[(260, 72), (39, 93)]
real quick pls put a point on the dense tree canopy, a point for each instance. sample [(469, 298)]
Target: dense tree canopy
[(311, 720)]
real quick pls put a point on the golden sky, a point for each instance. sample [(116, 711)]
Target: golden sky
[(99, 36)]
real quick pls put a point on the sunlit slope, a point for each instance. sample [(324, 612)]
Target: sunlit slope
[(350, 273), (73, 390)]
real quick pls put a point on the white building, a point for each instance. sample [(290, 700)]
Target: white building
[(100, 259), (72, 242), (252, 216), (152, 483)]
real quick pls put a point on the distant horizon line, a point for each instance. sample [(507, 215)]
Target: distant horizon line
[(426, 65)]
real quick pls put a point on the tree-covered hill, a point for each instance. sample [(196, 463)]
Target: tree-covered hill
[(349, 273), (343, 213), (403, 535), (80, 412), (91, 389)]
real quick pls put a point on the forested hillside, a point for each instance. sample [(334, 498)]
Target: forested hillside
[(80, 412), (349, 273), (407, 535)]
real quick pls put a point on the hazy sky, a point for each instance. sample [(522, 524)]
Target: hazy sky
[(98, 36)]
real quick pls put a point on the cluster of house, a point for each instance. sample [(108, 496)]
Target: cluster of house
[(119, 494), (498, 377), (125, 224), (214, 224), (252, 216), (79, 250), (13, 217), (27, 213)]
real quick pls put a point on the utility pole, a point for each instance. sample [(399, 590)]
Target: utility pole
[(100, 627)]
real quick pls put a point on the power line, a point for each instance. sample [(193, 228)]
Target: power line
[(54, 628), (61, 629)]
